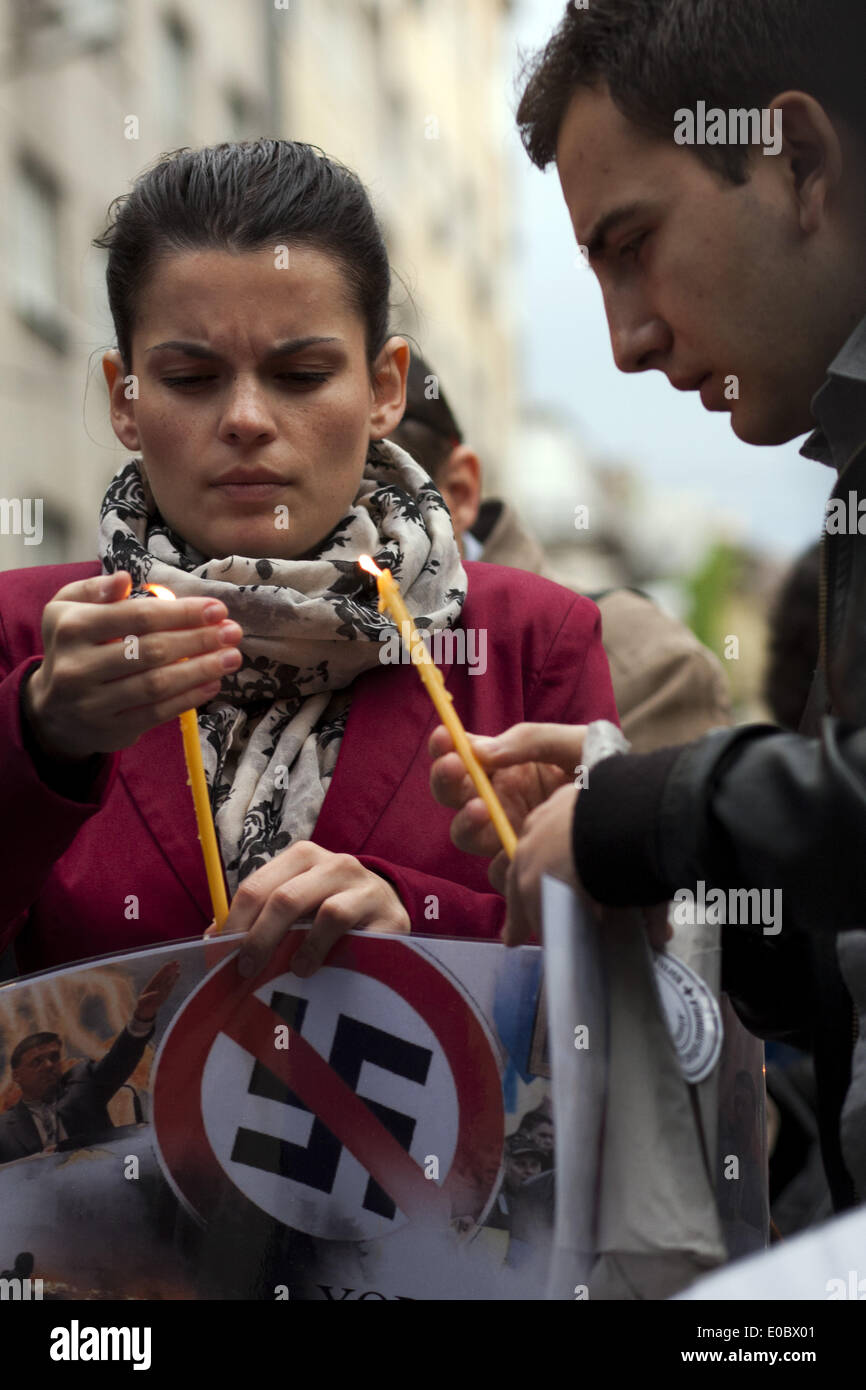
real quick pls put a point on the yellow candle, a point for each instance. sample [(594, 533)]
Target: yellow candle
[(201, 800), (204, 818), (391, 601)]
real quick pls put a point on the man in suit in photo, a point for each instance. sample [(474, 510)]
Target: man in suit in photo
[(57, 1106)]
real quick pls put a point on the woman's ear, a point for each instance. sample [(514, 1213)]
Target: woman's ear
[(389, 388), (122, 395)]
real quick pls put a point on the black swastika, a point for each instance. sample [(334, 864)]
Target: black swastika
[(316, 1164)]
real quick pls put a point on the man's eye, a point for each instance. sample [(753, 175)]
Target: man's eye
[(185, 380), (632, 247)]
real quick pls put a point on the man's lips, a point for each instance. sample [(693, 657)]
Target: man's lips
[(704, 383), (689, 383)]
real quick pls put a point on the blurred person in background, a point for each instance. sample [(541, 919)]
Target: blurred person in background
[(799, 1195), (668, 686)]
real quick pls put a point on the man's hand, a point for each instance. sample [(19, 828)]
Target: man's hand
[(543, 848), (308, 881), (156, 991), (546, 848), (526, 765)]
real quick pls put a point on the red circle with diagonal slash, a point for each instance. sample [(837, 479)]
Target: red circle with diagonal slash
[(226, 1003)]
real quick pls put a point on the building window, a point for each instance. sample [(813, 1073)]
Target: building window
[(243, 118), (173, 80), (51, 29), (37, 287)]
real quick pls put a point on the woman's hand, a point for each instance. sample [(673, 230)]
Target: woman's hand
[(308, 881), (116, 667), (526, 765)]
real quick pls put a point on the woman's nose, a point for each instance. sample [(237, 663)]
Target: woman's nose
[(247, 414)]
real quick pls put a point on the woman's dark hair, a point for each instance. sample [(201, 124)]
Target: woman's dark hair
[(243, 197), (660, 56)]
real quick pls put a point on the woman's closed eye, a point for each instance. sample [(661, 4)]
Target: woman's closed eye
[(296, 378)]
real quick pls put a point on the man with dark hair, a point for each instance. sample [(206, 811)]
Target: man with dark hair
[(793, 640), (668, 687), (71, 1107), (522, 1160), (739, 272), (537, 1126)]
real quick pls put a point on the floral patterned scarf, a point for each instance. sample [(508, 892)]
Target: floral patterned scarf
[(270, 739)]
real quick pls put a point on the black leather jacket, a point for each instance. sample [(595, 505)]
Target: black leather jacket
[(757, 807)]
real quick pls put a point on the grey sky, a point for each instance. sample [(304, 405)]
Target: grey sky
[(774, 495)]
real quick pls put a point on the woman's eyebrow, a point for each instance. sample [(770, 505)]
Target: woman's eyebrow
[(284, 349)]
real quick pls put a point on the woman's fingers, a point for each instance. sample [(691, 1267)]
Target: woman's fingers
[(151, 690), (306, 881), (290, 902), (130, 655), (252, 895), (341, 913), (101, 588), (115, 667)]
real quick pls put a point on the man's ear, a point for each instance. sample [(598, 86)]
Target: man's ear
[(122, 395), (389, 388), (459, 481), (811, 151)]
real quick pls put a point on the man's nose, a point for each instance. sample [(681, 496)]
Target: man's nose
[(639, 337), (639, 345)]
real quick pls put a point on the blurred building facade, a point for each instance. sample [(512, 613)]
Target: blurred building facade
[(412, 94)]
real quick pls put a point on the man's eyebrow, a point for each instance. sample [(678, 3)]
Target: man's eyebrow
[(284, 349), (606, 224)]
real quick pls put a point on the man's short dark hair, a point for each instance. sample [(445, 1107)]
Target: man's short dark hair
[(661, 56), (428, 430), (27, 1044), (792, 649), (532, 1119)]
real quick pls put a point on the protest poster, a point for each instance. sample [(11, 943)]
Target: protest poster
[(350, 1136)]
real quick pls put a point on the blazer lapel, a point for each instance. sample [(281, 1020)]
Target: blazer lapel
[(25, 1132), (154, 773), (390, 719)]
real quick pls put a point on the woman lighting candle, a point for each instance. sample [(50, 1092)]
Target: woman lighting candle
[(260, 469)]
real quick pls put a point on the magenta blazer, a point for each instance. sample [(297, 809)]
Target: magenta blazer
[(69, 868)]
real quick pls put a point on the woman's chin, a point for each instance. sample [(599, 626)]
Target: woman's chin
[(259, 543)]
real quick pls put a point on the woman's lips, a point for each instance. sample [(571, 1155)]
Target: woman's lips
[(250, 492)]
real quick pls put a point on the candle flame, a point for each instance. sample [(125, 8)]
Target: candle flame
[(369, 564), (160, 590)]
